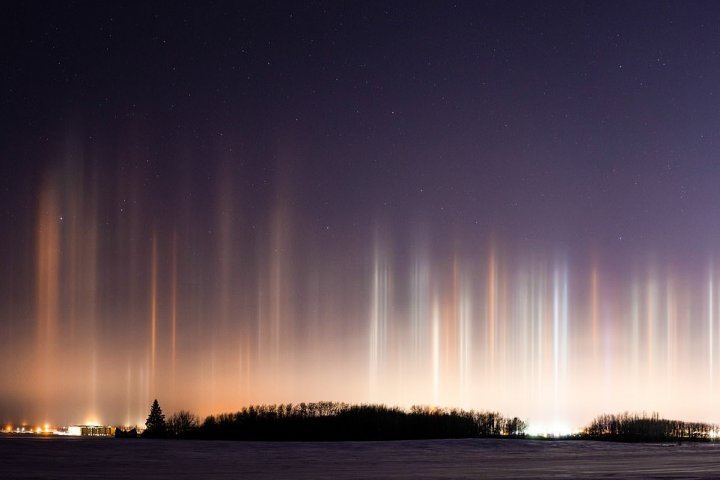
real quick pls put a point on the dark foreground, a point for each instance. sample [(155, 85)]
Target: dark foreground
[(59, 458)]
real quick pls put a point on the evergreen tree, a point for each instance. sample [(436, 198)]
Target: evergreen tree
[(155, 426)]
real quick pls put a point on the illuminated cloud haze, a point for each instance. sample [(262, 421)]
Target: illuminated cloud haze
[(490, 205)]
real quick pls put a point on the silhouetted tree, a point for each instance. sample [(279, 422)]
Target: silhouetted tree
[(642, 428), (515, 427), (182, 423), (155, 426)]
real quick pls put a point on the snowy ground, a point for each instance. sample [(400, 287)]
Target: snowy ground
[(24, 457)]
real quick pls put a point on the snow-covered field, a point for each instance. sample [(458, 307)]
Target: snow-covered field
[(25, 457)]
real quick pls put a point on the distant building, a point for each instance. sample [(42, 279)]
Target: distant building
[(91, 431)]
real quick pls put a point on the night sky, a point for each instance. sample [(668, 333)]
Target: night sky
[(497, 205)]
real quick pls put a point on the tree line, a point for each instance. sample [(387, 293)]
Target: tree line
[(633, 427), (324, 421)]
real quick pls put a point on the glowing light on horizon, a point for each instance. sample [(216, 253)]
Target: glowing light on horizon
[(153, 306), (173, 311), (594, 309), (47, 287), (378, 318), (551, 430), (436, 353), (491, 309), (551, 338), (711, 321), (465, 334)]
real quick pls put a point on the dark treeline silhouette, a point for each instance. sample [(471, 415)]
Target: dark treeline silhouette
[(327, 421), (629, 427), (324, 421), (340, 421), (126, 432)]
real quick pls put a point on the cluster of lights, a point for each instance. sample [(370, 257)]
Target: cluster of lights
[(48, 429), (45, 429)]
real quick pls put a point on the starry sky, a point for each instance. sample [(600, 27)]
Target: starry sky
[(200, 197)]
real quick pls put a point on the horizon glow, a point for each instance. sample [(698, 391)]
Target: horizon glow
[(552, 339)]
